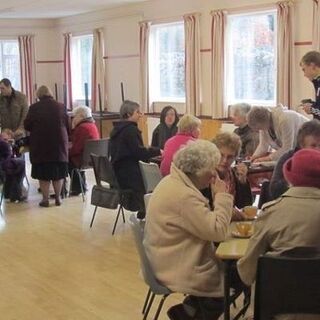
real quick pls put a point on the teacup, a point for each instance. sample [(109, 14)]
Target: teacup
[(250, 211), (244, 228)]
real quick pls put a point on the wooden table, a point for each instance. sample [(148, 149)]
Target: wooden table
[(229, 251)]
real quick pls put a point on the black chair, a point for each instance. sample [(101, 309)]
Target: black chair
[(288, 284), (98, 147), (108, 195)]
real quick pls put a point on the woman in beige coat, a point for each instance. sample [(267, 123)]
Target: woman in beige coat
[(180, 230)]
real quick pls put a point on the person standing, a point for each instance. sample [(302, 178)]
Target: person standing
[(13, 108), (47, 123), (310, 65)]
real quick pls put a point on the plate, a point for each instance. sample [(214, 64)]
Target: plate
[(236, 234)]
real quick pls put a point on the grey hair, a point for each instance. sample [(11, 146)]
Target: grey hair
[(258, 116), (241, 108), (128, 108), (188, 123), (44, 91), (82, 111), (197, 157)]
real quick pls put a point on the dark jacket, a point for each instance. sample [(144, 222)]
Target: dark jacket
[(47, 123), (161, 134), (316, 104), (83, 131), (13, 110), (278, 184), (126, 149), (249, 140)]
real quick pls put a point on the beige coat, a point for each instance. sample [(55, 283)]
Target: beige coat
[(179, 232), (290, 221), (12, 115)]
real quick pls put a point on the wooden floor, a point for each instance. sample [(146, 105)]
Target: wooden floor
[(53, 266)]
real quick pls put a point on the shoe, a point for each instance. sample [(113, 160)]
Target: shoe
[(141, 215), (58, 202), (177, 313), (44, 203)]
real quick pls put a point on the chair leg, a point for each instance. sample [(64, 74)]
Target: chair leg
[(94, 214), (160, 307), (71, 178), (146, 301), (115, 224), (81, 183), (149, 306), (123, 218)]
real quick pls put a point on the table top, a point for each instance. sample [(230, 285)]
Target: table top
[(232, 248)]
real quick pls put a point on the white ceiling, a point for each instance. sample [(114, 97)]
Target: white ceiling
[(36, 9)]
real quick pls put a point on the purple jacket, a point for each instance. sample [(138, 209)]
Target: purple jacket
[(170, 148)]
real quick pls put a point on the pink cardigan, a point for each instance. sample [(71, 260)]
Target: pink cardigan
[(170, 148)]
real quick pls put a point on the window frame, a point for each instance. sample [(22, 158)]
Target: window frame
[(154, 86), (74, 38), (228, 58)]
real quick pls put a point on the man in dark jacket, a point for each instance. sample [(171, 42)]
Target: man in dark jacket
[(13, 108), (126, 149)]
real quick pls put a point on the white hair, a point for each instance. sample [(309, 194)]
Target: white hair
[(241, 109), (82, 112), (197, 157)]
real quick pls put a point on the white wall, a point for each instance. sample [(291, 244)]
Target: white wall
[(122, 42)]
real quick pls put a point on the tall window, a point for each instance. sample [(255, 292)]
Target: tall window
[(81, 61), (10, 62), (167, 62), (251, 58)]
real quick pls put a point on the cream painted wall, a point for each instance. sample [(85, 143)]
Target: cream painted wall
[(122, 42)]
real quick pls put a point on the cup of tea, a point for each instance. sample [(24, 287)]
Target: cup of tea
[(250, 211), (244, 228)]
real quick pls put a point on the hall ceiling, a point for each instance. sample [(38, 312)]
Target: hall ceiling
[(47, 9)]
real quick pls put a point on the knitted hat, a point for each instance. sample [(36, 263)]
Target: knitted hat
[(303, 169)]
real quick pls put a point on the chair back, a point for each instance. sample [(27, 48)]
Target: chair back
[(98, 147), (148, 274), (103, 170), (146, 199), (288, 284), (151, 175)]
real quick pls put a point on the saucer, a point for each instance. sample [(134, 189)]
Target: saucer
[(236, 234)]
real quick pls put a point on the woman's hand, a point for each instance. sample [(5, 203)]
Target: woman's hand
[(219, 185), (241, 172), (237, 215)]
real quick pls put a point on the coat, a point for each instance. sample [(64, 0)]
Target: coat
[(13, 110), (83, 131), (249, 140), (170, 148), (47, 123), (179, 233), (286, 124), (161, 134), (291, 221), (126, 149)]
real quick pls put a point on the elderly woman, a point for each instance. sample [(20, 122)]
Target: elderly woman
[(289, 222), (249, 138), (235, 177), (278, 129), (126, 149), (47, 123), (83, 129), (166, 128), (180, 231), (188, 129), (308, 138)]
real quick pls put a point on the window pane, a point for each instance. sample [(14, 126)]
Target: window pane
[(251, 58), (10, 62), (81, 60), (167, 62)]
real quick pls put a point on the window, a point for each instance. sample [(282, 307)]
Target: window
[(167, 62), (10, 62), (81, 60), (251, 58)]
